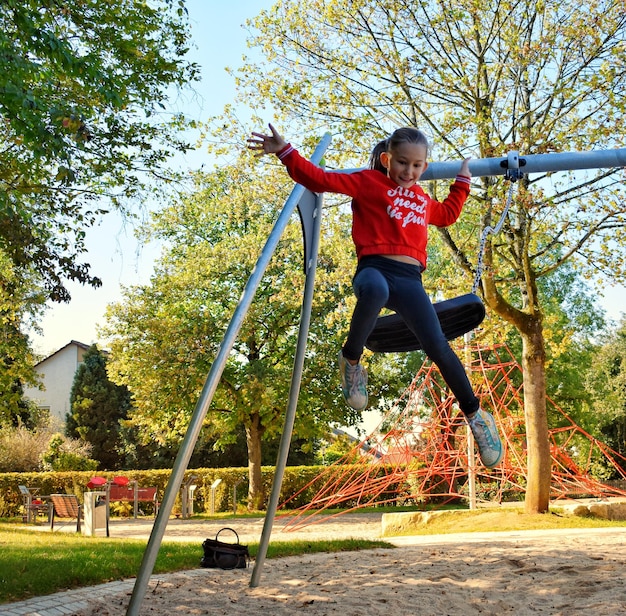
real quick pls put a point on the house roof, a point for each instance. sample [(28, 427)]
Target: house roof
[(80, 345)]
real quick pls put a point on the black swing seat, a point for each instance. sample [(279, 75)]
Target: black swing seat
[(457, 316)]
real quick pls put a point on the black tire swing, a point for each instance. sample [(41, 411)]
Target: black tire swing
[(457, 316)]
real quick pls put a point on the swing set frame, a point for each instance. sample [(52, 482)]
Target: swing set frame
[(309, 206)]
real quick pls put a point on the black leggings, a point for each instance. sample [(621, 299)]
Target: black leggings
[(384, 283)]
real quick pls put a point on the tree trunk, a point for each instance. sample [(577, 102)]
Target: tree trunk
[(538, 456), (254, 432), (530, 327)]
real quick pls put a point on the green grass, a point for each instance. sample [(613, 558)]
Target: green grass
[(390, 508), (36, 563), (492, 520)]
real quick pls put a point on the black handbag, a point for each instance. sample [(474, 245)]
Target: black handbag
[(222, 555)]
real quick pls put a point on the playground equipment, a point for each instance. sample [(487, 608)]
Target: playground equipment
[(421, 455), (309, 206)]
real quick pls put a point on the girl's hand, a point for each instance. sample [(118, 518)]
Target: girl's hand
[(465, 168), (266, 144)]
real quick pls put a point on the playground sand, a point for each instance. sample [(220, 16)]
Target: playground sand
[(564, 572)]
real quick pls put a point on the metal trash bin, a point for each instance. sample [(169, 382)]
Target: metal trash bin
[(95, 513)]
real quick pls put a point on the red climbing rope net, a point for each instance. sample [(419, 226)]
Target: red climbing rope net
[(419, 451)]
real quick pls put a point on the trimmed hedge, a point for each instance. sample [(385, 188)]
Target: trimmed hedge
[(300, 485)]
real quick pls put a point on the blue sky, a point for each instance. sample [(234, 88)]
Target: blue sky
[(114, 254)]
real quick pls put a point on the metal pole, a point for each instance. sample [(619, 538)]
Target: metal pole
[(208, 391), (533, 163), (294, 392), (471, 456)]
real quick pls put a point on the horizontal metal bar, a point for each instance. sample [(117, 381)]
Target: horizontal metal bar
[(533, 163)]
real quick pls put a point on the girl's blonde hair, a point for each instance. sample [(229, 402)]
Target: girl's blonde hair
[(406, 134)]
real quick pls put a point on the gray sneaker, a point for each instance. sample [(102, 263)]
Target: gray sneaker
[(353, 383), (485, 433)]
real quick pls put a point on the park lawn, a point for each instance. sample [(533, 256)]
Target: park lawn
[(505, 519), (37, 563)]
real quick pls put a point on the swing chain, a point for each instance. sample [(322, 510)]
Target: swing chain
[(493, 230)]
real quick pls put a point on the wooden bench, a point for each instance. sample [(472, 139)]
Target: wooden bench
[(65, 506), (134, 494)]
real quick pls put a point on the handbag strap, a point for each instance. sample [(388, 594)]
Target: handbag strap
[(232, 530)]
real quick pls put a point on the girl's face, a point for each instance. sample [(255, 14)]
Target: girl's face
[(405, 163)]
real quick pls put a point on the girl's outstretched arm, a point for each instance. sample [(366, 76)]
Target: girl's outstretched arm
[(302, 170), (267, 144)]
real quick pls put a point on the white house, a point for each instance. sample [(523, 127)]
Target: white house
[(57, 376)]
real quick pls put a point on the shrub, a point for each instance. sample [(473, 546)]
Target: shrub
[(65, 454), (21, 449)]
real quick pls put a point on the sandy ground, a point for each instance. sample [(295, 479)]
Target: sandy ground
[(533, 572)]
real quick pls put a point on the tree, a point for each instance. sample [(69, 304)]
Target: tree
[(607, 379), (165, 335), (19, 305), (83, 87), (483, 78), (98, 406)]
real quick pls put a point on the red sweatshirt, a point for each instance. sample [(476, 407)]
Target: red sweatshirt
[(386, 218)]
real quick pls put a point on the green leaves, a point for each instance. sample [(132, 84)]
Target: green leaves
[(81, 89), (482, 78), (165, 335)]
